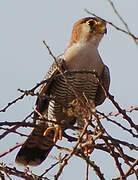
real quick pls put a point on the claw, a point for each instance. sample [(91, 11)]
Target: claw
[(58, 132)]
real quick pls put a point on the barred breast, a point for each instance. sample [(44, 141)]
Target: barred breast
[(62, 92)]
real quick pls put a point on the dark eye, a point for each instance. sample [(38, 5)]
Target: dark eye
[(91, 22)]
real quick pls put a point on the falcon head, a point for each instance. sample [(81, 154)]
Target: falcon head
[(88, 30)]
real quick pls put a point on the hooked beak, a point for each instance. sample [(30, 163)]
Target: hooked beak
[(101, 29), (105, 31)]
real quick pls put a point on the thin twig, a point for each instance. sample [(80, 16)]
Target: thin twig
[(122, 20), (13, 131), (17, 173), (131, 168), (52, 166), (93, 165), (116, 27), (118, 165), (15, 125), (102, 115), (62, 72), (11, 149), (12, 102), (71, 153), (121, 111)]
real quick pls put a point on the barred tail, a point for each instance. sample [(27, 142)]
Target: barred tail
[(36, 148)]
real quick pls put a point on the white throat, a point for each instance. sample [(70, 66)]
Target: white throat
[(82, 56)]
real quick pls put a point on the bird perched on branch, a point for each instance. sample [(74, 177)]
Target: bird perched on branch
[(64, 96)]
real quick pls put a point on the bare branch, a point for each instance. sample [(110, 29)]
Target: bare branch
[(11, 149), (121, 111), (71, 153), (116, 27), (122, 20), (12, 102), (131, 168), (15, 172), (89, 138)]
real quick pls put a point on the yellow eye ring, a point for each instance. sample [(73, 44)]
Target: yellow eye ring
[(91, 22)]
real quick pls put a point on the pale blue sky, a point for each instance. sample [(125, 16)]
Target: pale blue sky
[(24, 60)]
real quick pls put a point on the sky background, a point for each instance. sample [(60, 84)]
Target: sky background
[(24, 61)]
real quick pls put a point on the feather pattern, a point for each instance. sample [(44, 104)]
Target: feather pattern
[(56, 96)]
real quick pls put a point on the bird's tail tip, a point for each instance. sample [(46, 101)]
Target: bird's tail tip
[(30, 156)]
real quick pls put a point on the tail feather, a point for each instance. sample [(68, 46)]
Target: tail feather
[(36, 148)]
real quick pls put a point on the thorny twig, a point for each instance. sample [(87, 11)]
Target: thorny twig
[(17, 173), (12, 102), (94, 166), (25, 93), (15, 127), (11, 130), (110, 143), (112, 153), (72, 152), (110, 147), (53, 165), (121, 111), (11, 149), (102, 115), (116, 27), (122, 20), (62, 73), (131, 169), (102, 147), (81, 154)]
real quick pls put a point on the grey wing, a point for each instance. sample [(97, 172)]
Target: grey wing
[(42, 101), (105, 79)]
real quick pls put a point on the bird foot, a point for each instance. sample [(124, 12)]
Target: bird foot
[(58, 132)]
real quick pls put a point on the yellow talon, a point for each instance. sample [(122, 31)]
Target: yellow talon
[(58, 132)]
